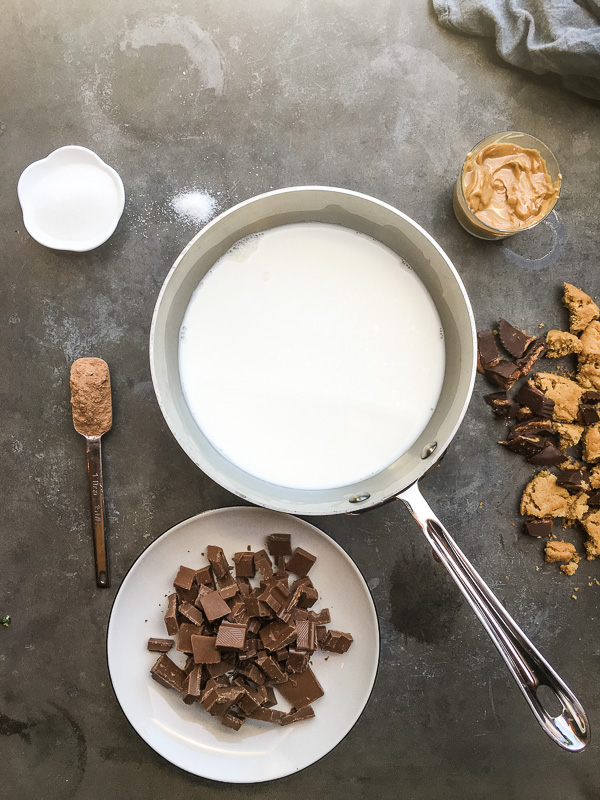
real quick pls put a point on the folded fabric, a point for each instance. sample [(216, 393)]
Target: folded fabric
[(558, 36)]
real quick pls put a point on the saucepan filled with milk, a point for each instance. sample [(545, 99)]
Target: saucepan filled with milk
[(313, 351)]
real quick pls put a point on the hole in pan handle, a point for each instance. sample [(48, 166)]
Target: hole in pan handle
[(570, 728)]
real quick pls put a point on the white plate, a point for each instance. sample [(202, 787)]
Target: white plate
[(71, 200), (186, 735)]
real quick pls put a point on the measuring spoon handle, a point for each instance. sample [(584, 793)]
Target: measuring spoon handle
[(94, 471)]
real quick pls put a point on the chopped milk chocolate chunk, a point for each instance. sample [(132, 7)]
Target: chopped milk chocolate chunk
[(590, 343), (540, 528), (184, 640), (192, 613), (592, 398), (591, 443), (275, 596), (301, 689), (231, 635), (262, 562), (204, 577), (550, 456), (205, 649), (568, 434), (301, 562), (582, 308), (219, 668), (529, 360), (160, 645), (185, 578), (514, 340), (253, 672), (247, 703), (543, 498), (187, 595), (167, 673), (229, 591), (306, 635), (505, 374), (487, 350), (336, 642), (279, 544), (557, 550), (268, 715), (308, 596), (277, 635), (192, 686), (297, 716), (561, 343), (565, 393), (573, 478), (244, 565), (219, 699), (537, 401), (271, 667), (323, 617), (217, 559), (171, 623), (214, 606), (591, 525), (232, 720), (298, 660), (588, 414)]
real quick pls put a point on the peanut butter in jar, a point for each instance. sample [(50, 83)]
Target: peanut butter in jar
[(509, 183)]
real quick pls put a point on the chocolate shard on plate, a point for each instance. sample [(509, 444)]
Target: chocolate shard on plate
[(588, 414), (539, 528), (160, 645), (526, 445), (217, 559), (530, 396), (306, 635), (297, 716), (192, 686), (487, 350), (271, 667), (573, 478), (321, 633), (218, 682), (308, 596), (219, 699), (505, 374), (184, 640), (336, 642), (244, 564), (205, 650), (271, 699), (514, 340), (247, 703), (231, 635), (229, 590), (550, 456), (263, 564), (299, 613), (535, 352), (192, 613), (282, 654), (279, 544), (254, 625), (204, 577), (167, 673), (268, 715), (275, 596), (214, 606), (222, 667), (301, 562), (305, 581), (298, 660), (322, 617), (301, 689), (184, 578), (277, 635), (232, 720), (187, 595), (171, 623), (252, 671), (594, 498)]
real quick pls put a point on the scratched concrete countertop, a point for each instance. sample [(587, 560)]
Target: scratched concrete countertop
[(230, 99)]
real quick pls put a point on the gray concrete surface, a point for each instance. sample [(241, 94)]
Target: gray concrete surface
[(235, 98)]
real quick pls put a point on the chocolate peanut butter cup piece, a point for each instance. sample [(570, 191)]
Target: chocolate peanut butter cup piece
[(530, 396), (591, 397), (505, 374), (487, 350), (588, 414), (550, 456), (526, 444), (573, 478), (538, 528), (514, 340)]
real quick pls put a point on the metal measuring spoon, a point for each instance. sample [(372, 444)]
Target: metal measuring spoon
[(92, 416)]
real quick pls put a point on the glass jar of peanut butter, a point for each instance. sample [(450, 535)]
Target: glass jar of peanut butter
[(508, 183)]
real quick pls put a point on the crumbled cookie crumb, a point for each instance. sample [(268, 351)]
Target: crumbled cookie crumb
[(565, 393), (590, 343), (543, 498), (558, 550), (582, 309), (561, 343), (588, 375), (569, 434)]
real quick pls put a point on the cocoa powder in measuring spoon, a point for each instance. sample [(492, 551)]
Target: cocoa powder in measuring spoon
[(90, 396)]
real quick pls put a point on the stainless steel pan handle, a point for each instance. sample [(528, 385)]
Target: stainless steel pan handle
[(570, 729)]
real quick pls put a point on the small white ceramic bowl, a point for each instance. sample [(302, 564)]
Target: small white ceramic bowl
[(71, 199)]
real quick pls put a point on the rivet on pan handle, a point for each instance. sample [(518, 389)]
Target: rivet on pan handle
[(570, 728)]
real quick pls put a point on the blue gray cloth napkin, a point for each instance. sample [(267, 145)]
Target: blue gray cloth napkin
[(559, 36)]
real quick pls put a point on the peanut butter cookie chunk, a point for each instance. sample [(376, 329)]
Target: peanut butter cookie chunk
[(565, 393), (543, 498), (561, 343), (582, 308), (569, 434), (591, 443)]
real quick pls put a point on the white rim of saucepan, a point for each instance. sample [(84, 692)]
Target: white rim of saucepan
[(64, 244), (222, 480)]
